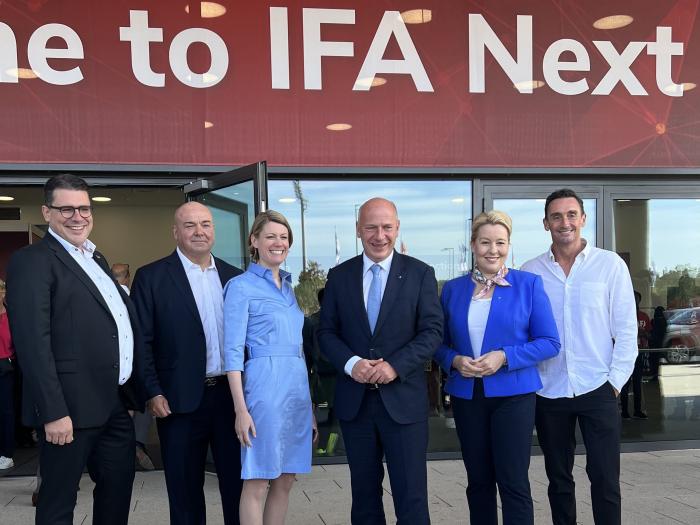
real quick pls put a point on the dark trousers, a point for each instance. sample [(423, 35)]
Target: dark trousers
[(7, 415), (371, 435), (495, 434), (184, 440), (108, 453), (599, 419), (636, 381)]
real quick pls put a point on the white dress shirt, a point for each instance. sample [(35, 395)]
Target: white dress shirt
[(108, 289), (209, 297), (596, 317), (477, 318), (367, 275)]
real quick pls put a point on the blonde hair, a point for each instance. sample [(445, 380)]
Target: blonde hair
[(259, 223), (494, 217)]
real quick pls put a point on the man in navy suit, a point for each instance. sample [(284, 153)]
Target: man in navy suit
[(179, 302), (381, 321)]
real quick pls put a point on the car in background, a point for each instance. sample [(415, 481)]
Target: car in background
[(682, 338)]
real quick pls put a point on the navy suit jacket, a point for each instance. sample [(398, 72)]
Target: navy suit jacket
[(175, 347), (520, 323), (408, 331), (66, 338)]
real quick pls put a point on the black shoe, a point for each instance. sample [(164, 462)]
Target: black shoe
[(625, 415), (640, 415)]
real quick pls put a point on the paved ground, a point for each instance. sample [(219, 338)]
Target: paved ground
[(657, 487)]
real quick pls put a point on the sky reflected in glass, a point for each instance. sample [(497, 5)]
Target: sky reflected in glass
[(435, 218)]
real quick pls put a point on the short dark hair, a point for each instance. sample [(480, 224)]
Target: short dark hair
[(64, 181), (563, 193), (319, 295)]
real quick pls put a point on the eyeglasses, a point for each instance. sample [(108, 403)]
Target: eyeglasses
[(68, 211)]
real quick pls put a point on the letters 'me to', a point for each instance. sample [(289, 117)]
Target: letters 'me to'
[(38, 54)]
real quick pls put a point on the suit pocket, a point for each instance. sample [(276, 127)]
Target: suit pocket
[(67, 366)]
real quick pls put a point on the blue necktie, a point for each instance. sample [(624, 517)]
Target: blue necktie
[(374, 299)]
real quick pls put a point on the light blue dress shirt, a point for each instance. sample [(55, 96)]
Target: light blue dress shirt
[(108, 290)]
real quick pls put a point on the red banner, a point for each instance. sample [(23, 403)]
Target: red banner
[(477, 84)]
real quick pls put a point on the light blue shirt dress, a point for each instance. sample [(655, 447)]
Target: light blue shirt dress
[(262, 338)]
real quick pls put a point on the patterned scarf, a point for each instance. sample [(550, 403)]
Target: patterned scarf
[(497, 280)]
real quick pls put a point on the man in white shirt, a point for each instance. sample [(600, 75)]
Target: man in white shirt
[(593, 303)]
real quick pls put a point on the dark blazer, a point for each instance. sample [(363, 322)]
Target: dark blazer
[(408, 331), (520, 323), (66, 339), (175, 349)]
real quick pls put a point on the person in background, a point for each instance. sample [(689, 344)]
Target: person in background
[(659, 326), (7, 374), (498, 327), (267, 374), (142, 420), (643, 336), (593, 304), (121, 274)]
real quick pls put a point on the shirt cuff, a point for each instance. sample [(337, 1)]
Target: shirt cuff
[(350, 364)]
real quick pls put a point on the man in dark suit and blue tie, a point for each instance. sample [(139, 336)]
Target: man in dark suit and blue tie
[(179, 302), (381, 321)]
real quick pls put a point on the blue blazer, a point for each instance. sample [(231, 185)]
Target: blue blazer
[(520, 323)]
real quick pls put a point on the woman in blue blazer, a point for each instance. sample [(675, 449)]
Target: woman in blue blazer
[(498, 326)]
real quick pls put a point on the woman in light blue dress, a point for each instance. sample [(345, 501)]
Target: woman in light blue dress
[(264, 361)]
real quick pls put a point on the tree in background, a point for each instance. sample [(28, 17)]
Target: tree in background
[(312, 279)]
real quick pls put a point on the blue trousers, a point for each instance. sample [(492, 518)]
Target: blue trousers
[(496, 436)]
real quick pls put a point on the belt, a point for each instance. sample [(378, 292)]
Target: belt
[(275, 350), (214, 380), (372, 387)]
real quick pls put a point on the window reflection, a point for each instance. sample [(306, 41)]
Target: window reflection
[(659, 240), (435, 222)]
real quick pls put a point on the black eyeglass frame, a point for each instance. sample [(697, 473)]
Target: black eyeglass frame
[(80, 209)]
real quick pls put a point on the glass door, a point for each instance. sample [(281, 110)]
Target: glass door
[(234, 198), (524, 202)]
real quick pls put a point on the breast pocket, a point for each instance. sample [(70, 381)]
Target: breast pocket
[(593, 295)]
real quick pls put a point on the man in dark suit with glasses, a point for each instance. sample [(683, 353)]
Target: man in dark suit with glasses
[(80, 354)]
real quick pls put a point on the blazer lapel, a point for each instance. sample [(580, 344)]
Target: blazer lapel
[(73, 266), (498, 313), (394, 282), (462, 313), (179, 277), (356, 292)]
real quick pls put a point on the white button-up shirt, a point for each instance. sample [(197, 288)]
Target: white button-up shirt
[(596, 317), (108, 289), (367, 276), (209, 297)]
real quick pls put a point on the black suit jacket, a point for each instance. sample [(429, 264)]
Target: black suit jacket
[(174, 342), (66, 338), (408, 331)]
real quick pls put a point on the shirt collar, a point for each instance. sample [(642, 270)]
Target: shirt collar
[(367, 263), (583, 253), (190, 265), (87, 248), (266, 273)]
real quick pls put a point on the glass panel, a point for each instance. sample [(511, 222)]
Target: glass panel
[(435, 219), (529, 238), (233, 209), (660, 241)]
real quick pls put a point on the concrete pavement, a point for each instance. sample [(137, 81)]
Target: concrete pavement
[(657, 488)]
